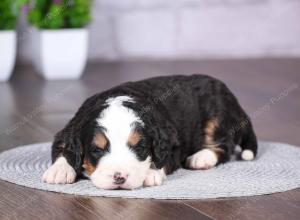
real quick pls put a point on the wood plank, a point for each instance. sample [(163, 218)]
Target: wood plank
[(114, 208), (23, 203), (20, 202), (268, 207)]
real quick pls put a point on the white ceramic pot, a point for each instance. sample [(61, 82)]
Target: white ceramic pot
[(8, 46), (60, 54)]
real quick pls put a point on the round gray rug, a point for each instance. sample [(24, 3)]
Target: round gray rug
[(276, 169)]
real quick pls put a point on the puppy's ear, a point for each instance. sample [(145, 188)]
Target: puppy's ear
[(160, 129), (164, 141), (69, 142), (69, 146)]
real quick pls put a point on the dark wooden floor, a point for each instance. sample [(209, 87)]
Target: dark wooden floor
[(32, 110)]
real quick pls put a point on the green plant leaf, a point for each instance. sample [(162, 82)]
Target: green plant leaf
[(9, 11), (47, 14)]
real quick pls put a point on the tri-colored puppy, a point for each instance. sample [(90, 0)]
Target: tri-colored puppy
[(137, 133)]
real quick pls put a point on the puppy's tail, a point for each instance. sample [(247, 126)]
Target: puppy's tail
[(249, 142)]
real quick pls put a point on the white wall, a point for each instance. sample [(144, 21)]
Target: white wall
[(189, 29)]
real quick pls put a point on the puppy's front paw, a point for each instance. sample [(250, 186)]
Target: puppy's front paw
[(60, 173), (154, 177), (202, 160)]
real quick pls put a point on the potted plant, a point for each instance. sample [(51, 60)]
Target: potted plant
[(8, 22), (60, 38)]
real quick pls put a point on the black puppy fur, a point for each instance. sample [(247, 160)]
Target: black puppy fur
[(182, 115)]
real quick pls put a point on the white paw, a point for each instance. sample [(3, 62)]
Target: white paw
[(60, 173), (154, 177), (202, 160)]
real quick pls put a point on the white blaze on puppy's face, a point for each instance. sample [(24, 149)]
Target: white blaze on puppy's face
[(120, 167)]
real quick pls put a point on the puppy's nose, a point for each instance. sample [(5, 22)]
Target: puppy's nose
[(119, 178)]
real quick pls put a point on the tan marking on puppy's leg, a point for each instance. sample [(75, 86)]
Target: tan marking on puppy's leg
[(209, 138), (209, 130), (88, 167), (209, 156)]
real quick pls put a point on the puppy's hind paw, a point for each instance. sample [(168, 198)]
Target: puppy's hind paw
[(202, 160), (60, 173)]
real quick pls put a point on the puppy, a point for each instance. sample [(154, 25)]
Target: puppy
[(137, 133)]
